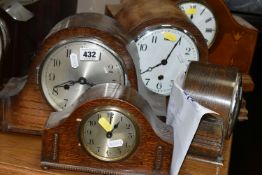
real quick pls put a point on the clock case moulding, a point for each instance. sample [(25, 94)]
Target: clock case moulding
[(28, 111), (235, 41)]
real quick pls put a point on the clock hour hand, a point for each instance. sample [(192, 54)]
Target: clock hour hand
[(68, 84), (164, 61), (110, 133), (151, 68), (105, 124)]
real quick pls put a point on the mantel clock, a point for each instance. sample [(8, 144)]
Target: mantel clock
[(80, 51)]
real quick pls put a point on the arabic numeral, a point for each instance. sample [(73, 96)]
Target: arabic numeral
[(143, 47), (128, 126), (56, 62), (154, 39), (51, 76), (66, 101), (92, 123), (68, 52), (159, 85), (89, 132), (91, 142), (188, 50)]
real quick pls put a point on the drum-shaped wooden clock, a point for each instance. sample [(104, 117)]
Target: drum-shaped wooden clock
[(166, 41), (109, 132), (80, 51)]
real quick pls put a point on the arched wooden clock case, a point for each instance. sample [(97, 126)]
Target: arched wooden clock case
[(28, 111)]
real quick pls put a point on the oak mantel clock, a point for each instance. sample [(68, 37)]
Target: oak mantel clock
[(106, 134), (227, 35), (80, 51)]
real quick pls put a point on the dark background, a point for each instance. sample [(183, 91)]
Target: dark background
[(246, 152)]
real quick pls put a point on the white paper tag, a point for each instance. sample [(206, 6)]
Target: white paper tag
[(87, 54), (184, 115), (115, 143), (74, 60)]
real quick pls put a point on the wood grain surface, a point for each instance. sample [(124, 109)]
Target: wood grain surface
[(137, 17), (233, 32), (20, 154), (28, 111)]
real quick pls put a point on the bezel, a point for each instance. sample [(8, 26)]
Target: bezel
[(41, 78), (108, 108), (150, 29)]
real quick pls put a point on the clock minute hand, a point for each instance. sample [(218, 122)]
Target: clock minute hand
[(178, 42), (67, 84), (164, 61)]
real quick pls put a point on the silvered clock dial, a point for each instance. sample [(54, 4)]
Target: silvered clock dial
[(73, 66), (109, 134)]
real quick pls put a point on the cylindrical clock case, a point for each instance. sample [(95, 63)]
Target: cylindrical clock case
[(218, 88)]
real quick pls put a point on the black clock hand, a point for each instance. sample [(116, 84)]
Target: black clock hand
[(178, 42), (164, 61), (110, 133), (68, 84), (151, 68)]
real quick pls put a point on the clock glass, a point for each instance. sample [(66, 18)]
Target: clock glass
[(73, 66), (164, 52), (202, 17), (109, 134)]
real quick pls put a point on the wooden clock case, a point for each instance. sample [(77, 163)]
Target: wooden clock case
[(138, 16), (27, 112), (235, 41), (61, 147)]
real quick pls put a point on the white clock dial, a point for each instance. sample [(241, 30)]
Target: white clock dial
[(71, 67), (203, 18), (164, 53)]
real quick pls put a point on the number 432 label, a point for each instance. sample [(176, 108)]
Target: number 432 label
[(89, 54)]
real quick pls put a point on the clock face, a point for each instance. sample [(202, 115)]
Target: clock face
[(164, 53), (109, 134), (73, 66), (203, 18)]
